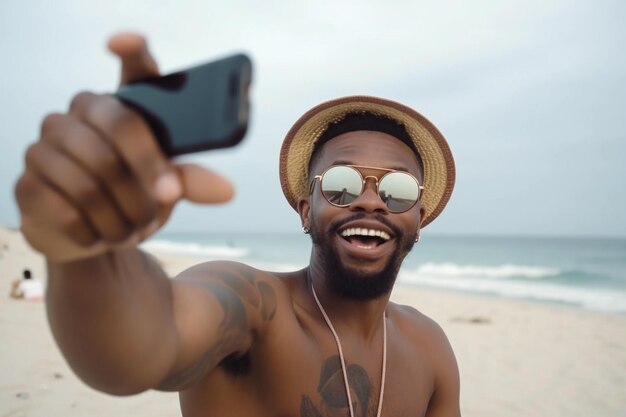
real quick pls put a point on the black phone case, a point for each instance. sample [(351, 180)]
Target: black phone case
[(201, 108)]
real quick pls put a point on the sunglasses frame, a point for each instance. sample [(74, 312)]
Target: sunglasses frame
[(364, 179)]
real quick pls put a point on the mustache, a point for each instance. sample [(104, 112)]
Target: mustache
[(335, 226)]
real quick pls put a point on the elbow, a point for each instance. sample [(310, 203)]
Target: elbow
[(121, 377), (120, 384)]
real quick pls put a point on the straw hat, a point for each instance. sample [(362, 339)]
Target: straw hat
[(439, 172)]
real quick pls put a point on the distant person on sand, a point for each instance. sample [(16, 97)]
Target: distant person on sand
[(4, 248), (364, 174), (27, 288)]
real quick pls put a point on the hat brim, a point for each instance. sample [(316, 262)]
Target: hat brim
[(439, 169)]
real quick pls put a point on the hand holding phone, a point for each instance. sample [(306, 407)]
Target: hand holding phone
[(97, 181), (201, 108)]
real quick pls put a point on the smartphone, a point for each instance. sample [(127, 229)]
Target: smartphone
[(201, 108)]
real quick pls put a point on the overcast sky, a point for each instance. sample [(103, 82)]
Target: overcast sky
[(531, 95)]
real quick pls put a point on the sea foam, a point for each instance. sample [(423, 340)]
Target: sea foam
[(521, 282), (473, 271), (195, 249)]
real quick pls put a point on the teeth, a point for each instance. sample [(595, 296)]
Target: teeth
[(357, 231)]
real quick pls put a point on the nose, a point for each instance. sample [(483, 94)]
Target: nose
[(369, 200)]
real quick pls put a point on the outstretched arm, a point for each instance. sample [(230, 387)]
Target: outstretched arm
[(94, 186), (125, 327), (111, 316)]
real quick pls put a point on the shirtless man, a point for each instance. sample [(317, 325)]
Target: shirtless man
[(233, 340)]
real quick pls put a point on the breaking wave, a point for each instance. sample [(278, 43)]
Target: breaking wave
[(516, 281), (500, 271), (195, 249)]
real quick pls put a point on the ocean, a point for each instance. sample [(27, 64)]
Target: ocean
[(580, 272)]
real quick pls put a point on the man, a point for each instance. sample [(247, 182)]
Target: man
[(233, 340)]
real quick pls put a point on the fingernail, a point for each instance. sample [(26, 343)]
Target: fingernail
[(167, 188)]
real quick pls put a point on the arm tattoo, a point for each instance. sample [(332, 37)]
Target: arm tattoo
[(248, 290), (240, 289), (332, 390), (258, 294)]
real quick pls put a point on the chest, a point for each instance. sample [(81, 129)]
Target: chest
[(304, 377), (405, 389)]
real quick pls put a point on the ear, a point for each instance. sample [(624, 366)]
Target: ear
[(422, 216), (304, 210)]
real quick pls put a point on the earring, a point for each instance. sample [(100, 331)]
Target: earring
[(417, 239), (305, 230)]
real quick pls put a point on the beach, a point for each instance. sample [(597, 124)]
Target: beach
[(516, 358)]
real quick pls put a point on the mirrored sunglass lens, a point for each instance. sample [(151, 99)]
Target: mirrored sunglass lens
[(341, 185), (399, 191)]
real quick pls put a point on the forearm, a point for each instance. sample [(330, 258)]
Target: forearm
[(95, 180), (112, 318)]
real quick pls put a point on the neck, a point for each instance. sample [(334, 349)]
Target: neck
[(352, 316)]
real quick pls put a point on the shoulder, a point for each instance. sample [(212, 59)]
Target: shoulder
[(246, 281), (228, 271), (424, 335), (415, 325)]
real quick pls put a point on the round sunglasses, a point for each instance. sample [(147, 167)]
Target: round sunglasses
[(342, 184)]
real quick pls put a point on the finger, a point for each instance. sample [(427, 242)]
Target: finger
[(96, 156), (137, 62), (148, 230), (37, 200), (132, 139), (203, 186), (80, 189)]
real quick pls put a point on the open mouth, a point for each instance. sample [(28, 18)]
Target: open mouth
[(365, 238)]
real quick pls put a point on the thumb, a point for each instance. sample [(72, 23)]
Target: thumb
[(137, 62), (203, 186)]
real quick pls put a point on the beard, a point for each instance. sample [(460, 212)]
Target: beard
[(352, 283)]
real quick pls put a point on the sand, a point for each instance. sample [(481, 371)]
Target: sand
[(516, 358)]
